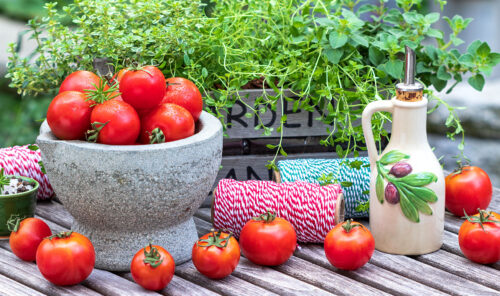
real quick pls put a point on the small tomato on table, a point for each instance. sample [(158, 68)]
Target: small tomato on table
[(216, 254), (26, 236), (468, 189), (268, 240), (349, 245), (152, 268), (66, 258), (479, 237)]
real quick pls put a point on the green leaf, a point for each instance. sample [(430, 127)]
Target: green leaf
[(204, 72), (435, 33), (438, 83), (419, 204), (472, 48), (359, 39), (346, 184), (477, 82), (379, 188), (407, 207), (337, 39), (363, 207), (467, 60), (483, 50), (419, 179), (393, 157), (432, 17), (394, 68), (422, 193), (376, 56), (334, 55), (442, 74), (33, 147)]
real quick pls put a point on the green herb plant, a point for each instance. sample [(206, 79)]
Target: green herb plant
[(4, 181), (334, 55)]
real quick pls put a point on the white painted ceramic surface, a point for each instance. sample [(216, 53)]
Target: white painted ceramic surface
[(393, 231)]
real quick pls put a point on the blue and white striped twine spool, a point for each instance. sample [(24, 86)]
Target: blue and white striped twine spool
[(310, 170)]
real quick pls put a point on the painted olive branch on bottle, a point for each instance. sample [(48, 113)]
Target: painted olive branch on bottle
[(403, 187)]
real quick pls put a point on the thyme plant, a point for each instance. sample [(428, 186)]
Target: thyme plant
[(337, 55)]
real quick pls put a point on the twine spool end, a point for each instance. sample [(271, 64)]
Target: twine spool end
[(277, 177), (340, 209)]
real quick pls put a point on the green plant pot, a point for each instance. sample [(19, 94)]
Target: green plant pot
[(22, 204)]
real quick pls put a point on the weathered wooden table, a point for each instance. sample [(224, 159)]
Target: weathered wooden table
[(307, 273)]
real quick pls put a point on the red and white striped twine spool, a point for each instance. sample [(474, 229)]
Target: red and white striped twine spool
[(310, 208), (22, 161)]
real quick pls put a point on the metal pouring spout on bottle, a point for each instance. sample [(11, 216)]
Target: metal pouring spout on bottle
[(407, 188)]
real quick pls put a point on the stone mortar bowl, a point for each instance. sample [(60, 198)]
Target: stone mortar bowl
[(123, 197)]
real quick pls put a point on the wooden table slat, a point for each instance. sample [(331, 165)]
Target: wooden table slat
[(54, 212), (461, 266), (180, 287), (27, 274), (265, 277), (10, 287), (375, 278), (231, 285), (429, 275)]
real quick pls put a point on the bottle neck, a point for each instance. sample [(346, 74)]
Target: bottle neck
[(409, 126)]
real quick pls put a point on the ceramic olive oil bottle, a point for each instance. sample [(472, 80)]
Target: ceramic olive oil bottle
[(407, 188)]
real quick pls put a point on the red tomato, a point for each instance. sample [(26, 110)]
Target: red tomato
[(469, 189), (144, 88), (216, 254), (183, 92), (66, 258), (69, 115), (268, 240), (152, 268), (80, 81), (166, 123), (118, 76), (114, 122), (26, 235), (479, 237), (349, 245)]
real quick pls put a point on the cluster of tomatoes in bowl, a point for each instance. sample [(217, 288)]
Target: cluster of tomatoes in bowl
[(137, 106)]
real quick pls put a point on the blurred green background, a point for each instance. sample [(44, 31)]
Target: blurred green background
[(20, 117)]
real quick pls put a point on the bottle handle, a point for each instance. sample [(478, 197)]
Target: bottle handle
[(366, 122)]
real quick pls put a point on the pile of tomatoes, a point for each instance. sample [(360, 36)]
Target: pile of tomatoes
[(137, 106)]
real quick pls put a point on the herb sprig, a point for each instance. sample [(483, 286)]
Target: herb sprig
[(335, 55)]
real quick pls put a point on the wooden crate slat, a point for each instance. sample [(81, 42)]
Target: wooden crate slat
[(372, 276), (180, 287), (11, 287), (463, 267), (300, 123), (27, 273)]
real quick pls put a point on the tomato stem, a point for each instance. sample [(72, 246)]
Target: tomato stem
[(267, 217), (156, 136), (99, 95), (153, 257), (215, 239), (13, 222), (63, 234), (92, 134), (484, 217), (348, 226)]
